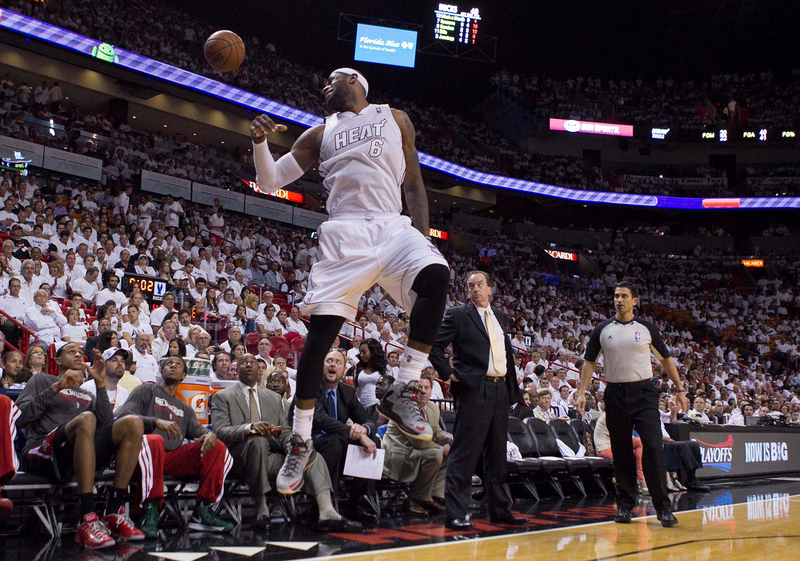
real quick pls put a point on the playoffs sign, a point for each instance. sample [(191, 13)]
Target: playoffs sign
[(752, 452)]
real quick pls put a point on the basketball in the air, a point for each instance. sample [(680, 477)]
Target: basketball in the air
[(224, 51)]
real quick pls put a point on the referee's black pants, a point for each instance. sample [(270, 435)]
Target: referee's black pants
[(628, 406)]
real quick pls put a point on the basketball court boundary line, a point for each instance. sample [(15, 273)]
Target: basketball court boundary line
[(502, 536), (692, 542)]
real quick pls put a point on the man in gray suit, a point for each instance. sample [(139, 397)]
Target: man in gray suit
[(253, 425), (423, 463)]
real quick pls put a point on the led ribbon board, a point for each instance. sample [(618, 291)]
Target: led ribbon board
[(153, 68)]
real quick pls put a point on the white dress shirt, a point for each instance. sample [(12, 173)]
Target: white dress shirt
[(28, 289), (298, 327), (246, 390), (45, 326), (146, 365)]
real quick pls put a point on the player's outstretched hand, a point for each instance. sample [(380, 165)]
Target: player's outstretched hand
[(262, 126)]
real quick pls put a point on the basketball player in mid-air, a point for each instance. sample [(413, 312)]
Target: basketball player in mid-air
[(366, 156)]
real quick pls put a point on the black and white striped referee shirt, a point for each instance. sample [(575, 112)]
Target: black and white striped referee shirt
[(626, 349)]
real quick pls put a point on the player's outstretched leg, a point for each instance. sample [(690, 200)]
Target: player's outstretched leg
[(300, 454), (400, 402)]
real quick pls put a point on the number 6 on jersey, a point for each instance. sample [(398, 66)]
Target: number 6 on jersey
[(376, 147)]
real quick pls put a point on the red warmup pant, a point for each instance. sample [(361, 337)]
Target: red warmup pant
[(9, 463), (637, 452), (184, 461)]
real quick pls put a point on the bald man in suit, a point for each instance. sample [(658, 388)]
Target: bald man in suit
[(256, 444)]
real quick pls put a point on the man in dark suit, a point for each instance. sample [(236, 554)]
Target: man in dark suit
[(333, 430), (484, 385)]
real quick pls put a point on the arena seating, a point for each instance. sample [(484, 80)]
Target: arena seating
[(762, 100)]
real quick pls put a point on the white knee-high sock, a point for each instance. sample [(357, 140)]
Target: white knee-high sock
[(411, 364), (303, 420)]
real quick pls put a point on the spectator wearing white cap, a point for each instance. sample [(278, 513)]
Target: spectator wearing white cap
[(115, 370)]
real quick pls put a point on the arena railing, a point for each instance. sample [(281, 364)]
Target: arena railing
[(25, 338)]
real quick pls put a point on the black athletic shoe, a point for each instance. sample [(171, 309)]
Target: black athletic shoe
[(623, 516), (668, 519)]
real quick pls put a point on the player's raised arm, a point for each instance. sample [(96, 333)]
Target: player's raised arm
[(272, 175), (413, 186)]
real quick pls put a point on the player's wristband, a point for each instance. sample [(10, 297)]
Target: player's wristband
[(680, 391)]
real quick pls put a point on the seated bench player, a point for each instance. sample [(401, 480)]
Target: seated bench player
[(168, 423), (72, 431), (9, 463)]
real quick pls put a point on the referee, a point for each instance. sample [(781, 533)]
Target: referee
[(631, 400)]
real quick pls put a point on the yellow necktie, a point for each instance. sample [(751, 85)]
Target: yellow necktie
[(254, 416), (496, 342)]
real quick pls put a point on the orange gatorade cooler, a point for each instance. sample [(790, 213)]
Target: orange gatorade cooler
[(216, 387), (196, 387)]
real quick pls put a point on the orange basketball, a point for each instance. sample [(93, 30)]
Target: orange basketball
[(224, 51)]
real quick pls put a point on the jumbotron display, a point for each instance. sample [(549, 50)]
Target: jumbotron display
[(456, 25)]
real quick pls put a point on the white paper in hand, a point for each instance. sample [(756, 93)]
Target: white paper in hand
[(360, 463)]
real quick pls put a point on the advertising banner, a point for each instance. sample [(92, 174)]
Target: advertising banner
[(308, 219), (588, 127), (271, 210), (72, 164), (205, 194), (161, 184), (9, 147), (748, 452)]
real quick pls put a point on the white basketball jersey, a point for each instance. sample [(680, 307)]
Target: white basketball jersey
[(361, 162)]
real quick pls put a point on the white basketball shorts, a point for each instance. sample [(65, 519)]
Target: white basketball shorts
[(359, 250)]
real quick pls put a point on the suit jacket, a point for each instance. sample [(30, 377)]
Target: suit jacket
[(348, 407), (463, 326), (398, 446), (230, 414)]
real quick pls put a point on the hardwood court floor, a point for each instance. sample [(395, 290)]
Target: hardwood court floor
[(749, 520), (766, 526)]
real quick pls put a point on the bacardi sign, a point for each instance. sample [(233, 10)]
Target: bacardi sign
[(565, 255), (279, 194)]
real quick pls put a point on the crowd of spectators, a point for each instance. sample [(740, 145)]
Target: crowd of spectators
[(748, 100)]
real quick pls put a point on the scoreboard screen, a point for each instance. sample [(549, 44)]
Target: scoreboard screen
[(456, 25), (153, 289)]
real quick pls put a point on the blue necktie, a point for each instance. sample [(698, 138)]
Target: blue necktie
[(330, 404)]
